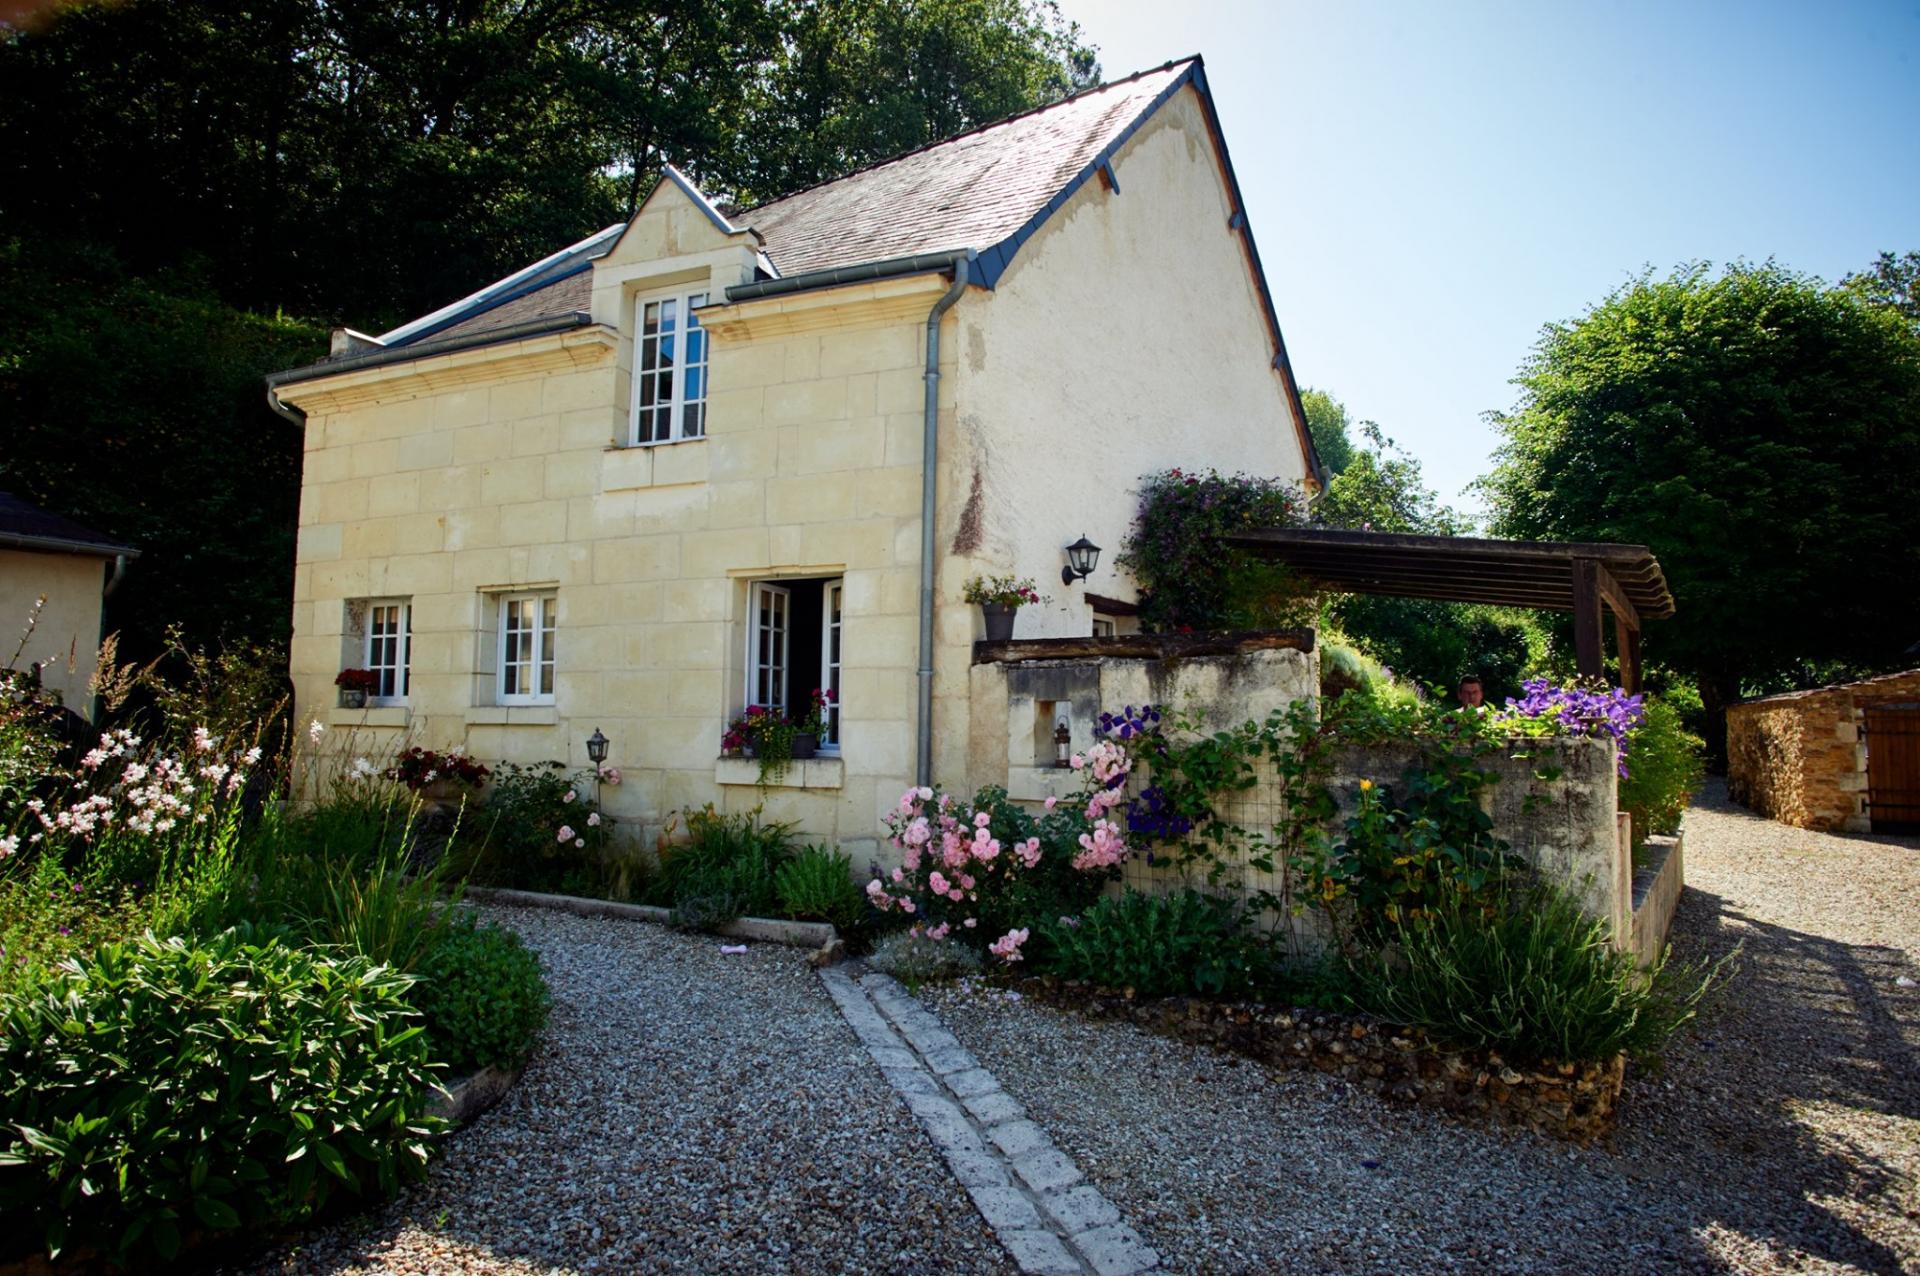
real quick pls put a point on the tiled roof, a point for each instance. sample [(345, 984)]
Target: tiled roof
[(971, 191), (28, 526)]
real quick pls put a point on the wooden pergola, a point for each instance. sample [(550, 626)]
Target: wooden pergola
[(1580, 577)]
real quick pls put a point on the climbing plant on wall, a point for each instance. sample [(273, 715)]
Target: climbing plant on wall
[(1191, 580)]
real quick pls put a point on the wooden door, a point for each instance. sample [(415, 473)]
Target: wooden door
[(1893, 767)]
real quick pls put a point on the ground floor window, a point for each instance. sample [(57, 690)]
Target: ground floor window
[(794, 645), (528, 648)]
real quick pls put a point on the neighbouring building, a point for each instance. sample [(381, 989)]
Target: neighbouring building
[(1840, 759), (677, 468), (54, 576)]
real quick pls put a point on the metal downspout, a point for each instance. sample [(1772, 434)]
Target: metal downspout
[(929, 482)]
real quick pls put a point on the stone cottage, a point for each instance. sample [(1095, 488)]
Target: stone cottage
[(711, 458)]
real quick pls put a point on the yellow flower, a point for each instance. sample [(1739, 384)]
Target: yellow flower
[(1365, 785)]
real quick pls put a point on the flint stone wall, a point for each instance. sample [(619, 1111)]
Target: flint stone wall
[(1575, 1102)]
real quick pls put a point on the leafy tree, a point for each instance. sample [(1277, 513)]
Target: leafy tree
[(137, 408), (1383, 489), (1893, 282), (1761, 432), (1330, 428)]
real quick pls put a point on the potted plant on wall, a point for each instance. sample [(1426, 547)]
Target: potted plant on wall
[(355, 686), (1000, 597), (771, 733), (808, 731)]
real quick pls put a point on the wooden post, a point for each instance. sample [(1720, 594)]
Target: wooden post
[(1627, 639), (1588, 654)]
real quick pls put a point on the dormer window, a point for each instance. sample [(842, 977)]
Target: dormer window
[(669, 369)]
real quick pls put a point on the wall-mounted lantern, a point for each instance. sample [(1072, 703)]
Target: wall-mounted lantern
[(597, 747), (1082, 556), (1062, 743)]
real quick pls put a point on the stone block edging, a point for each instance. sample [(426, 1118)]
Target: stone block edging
[(1575, 1102), (766, 929), (464, 1099)]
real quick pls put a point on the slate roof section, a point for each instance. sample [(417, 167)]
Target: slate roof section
[(24, 525), (970, 191), (558, 297)]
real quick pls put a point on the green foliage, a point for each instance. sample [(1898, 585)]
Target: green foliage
[(1530, 975), (1433, 644), (1383, 489), (1401, 856), (483, 996), (1160, 946), (48, 914), (109, 381), (915, 958), (161, 1086), (1330, 428), (1668, 768), (1761, 433), (1892, 283), (817, 884), (526, 808), (725, 869), (1189, 578)]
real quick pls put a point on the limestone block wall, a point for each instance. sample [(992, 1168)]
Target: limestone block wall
[(1799, 758), (66, 640)]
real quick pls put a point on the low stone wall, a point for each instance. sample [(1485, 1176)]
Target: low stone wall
[(1798, 758), (1656, 894), (1576, 1102)]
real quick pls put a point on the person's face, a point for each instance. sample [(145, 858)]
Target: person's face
[(1471, 695)]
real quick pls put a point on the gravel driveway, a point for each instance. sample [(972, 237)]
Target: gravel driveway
[(690, 1112), (1785, 1136)]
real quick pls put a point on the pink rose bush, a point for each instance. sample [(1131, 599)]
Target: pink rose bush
[(989, 865)]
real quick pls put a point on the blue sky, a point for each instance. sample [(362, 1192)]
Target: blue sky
[(1430, 184)]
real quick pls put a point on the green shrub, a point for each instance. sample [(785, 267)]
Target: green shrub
[(1526, 972), (817, 884), (160, 1086), (527, 807), (1668, 764), (917, 958), (483, 996), (1189, 576), (1160, 946), (725, 869)]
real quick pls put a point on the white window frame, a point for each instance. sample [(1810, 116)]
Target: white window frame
[(1104, 626), (832, 634), (684, 301), (779, 601), (402, 666), (545, 645)]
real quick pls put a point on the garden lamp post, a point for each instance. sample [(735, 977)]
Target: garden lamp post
[(1082, 556), (597, 754)]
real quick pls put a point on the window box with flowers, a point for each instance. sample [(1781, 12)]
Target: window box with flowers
[(450, 777), (775, 741)]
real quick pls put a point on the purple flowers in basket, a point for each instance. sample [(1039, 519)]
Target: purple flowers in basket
[(1581, 712)]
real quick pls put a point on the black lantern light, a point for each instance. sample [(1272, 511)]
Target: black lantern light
[(1082, 556), (597, 747), (1062, 743)]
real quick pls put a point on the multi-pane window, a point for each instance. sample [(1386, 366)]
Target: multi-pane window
[(767, 667), (669, 369), (527, 648), (1103, 627), (389, 653), (794, 646)]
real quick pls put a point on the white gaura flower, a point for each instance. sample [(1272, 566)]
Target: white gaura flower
[(315, 730)]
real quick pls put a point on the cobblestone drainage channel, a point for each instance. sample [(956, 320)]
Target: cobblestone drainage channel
[(1052, 1221)]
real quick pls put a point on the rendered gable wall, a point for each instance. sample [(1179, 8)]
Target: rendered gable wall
[(1126, 338)]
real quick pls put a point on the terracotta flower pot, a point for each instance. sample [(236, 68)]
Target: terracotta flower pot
[(999, 618)]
